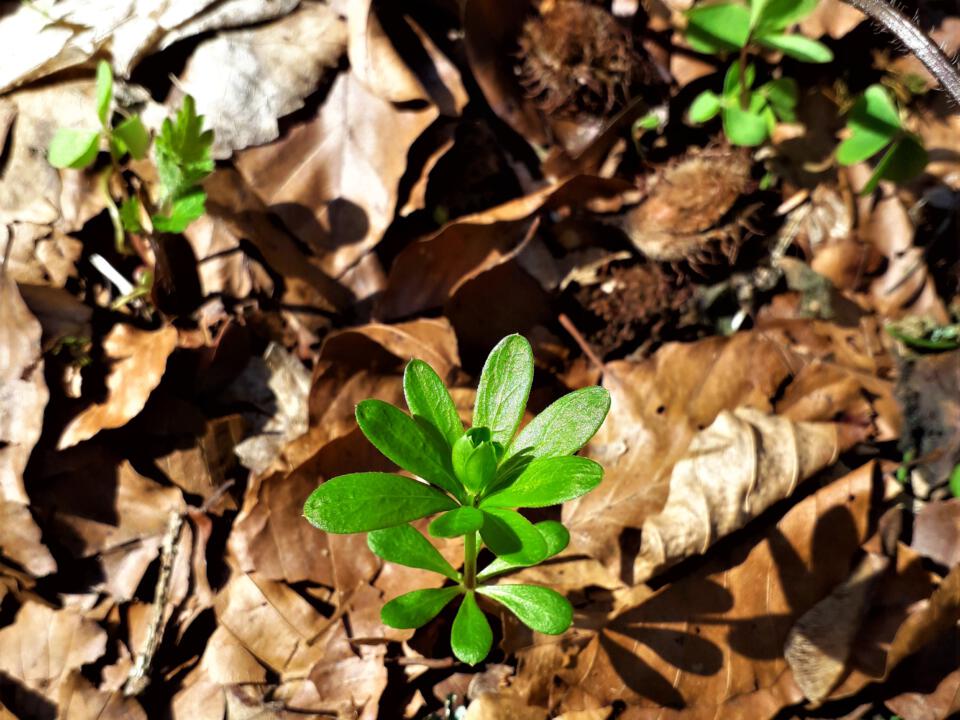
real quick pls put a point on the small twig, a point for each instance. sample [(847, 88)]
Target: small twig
[(435, 663), (581, 341), (915, 40)]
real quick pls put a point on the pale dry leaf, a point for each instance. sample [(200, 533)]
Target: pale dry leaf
[(490, 706), (375, 61), (228, 14), (227, 662), (38, 256), (833, 18), (819, 644), (732, 471), (80, 700), (21, 540), (333, 181), (223, 266), (351, 678), (139, 359), (42, 646), (936, 532), (245, 80)]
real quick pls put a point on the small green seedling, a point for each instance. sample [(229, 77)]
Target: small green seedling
[(182, 156), (750, 114), (873, 126), (473, 480)]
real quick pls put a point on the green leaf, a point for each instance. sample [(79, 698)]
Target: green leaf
[(104, 91), (539, 608), (954, 483), (470, 636), (704, 107), (565, 425), (548, 481), (131, 136), (130, 215), (415, 609), (554, 534), (74, 148), (417, 447), (731, 81), (744, 127), (504, 388), (183, 151), (718, 28), (905, 159), (779, 14), (475, 459), (428, 398), (650, 121), (457, 522), (183, 211), (782, 94), (406, 545), (360, 502), (873, 123), (798, 47), (510, 536)]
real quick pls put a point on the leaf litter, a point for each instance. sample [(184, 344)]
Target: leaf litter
[(776, 533)]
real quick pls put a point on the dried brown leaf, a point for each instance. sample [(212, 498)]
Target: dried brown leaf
[(80, 700), (936, 532)]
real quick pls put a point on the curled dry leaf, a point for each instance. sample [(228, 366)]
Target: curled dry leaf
[(139, 360), (732, 471), (333, 180), (244, 80)]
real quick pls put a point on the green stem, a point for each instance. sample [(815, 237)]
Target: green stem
[(119, 238), (744, 91), (470, 560)]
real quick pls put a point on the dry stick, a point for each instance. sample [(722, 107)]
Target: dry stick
[(585, 347), (915, 40)]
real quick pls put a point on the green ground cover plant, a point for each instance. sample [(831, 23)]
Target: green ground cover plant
[(475, 481)]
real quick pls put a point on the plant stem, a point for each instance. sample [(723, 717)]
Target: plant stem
[(917, 41), (470, 560), (744, 92)]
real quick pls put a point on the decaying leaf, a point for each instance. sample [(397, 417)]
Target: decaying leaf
[(936, 532), (139, 358), (732, 471)]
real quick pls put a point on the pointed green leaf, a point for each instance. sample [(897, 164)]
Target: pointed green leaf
[(565, 426), (417, 447), (798, 47), (130, 215), (104, 91), (74, 148), (183, 211), (744, 127), (548, 481), (718, 28), (428, 398), (405, 545), (905, 159), (782, 93), (470, 636), (859, 147), (504, 388), (539, 608), (415, 609), (704, 107), (132, 137), (457, 522), (732, 80), (360, 502), (183, 151), (780, 14), (554, 534), (873, 123), (511, 536)]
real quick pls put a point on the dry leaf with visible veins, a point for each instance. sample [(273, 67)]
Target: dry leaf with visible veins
[(732, 471), (139, 360), (80, 700)]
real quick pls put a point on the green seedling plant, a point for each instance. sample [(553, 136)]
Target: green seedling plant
[(874, 126), (182, 154), (750, 114), (473, 480)]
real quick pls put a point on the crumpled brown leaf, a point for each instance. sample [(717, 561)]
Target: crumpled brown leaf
[(139, 361), (732, 471)]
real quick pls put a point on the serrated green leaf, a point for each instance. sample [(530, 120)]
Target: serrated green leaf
[(360, 502), (744, 127), (132, 137), (704, 107), (511, 536), (428, 398), (406, 545), (798, 47), (564, 426), (718, 28), (415, 609), (554, 534), (548, 481), (905, 159), (183, 211), (73, 148), (504, 388), (470, 637), (130, 215), (457, 522), (104, 91), (417, 447), (183, 151), (539, 608), (780, 14)]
